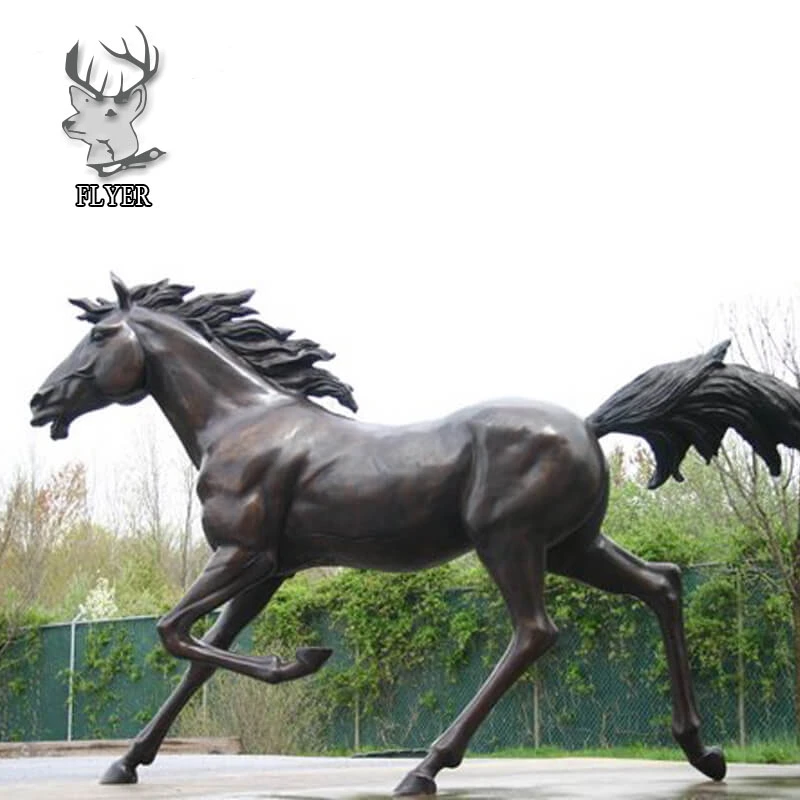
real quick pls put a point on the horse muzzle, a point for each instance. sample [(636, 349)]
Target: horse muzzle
[(45, 412)]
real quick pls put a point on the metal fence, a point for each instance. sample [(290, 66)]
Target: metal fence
[(609, 689), (116, 683)]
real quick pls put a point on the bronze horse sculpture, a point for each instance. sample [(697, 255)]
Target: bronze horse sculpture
[(286, 484)]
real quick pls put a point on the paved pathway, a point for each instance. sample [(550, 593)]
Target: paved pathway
[(220, 777)]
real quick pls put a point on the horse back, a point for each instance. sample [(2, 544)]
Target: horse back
[(401, 498)]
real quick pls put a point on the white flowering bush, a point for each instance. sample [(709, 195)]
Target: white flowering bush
[(100, 603)]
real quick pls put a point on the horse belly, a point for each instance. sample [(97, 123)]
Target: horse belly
[(370, 521), (395, 551)]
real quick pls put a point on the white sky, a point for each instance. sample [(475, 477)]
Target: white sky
[(463, 200)]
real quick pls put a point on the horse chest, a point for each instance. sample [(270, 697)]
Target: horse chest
[(239, 506)]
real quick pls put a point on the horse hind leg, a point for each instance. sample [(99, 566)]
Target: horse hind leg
[(516, 564), (605, 565)]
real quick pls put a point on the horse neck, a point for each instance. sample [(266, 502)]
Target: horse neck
[(198, 385)]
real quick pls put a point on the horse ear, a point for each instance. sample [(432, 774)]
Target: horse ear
[(123, 293), (87, 306)]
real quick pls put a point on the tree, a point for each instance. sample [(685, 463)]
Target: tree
[(684, 522), (188, 475), (34, 519), (768, 509)]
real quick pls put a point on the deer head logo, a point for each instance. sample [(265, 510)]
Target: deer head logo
[(105, 122)]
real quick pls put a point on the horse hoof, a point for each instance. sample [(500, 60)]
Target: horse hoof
[(312, 658), (712, 764), (415, 784), (120, 772)]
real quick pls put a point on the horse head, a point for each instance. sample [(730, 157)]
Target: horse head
[(107, 366), (204, 356)]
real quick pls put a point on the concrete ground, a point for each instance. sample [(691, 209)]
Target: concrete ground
[(224, 777)]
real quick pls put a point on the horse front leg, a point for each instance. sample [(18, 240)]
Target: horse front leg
[(232, 569), (236, 616), (607, 566)]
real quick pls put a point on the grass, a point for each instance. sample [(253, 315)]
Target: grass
[(781, 751)]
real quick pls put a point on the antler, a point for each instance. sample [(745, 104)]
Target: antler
[(147, 71), (71, 66)]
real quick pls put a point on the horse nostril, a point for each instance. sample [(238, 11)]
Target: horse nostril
[(40, 398)]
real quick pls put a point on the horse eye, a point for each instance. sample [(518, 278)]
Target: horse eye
[(99, 334), (111, 113)]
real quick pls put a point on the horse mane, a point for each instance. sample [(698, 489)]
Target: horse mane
[(224, 318)]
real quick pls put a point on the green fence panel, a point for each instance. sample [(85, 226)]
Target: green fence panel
[(33, 686), (121, 677), (576, 696)]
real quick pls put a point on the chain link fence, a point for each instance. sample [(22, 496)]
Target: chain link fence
[(600, 686)]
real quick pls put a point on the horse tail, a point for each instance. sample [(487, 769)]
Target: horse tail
[(693, 403)]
